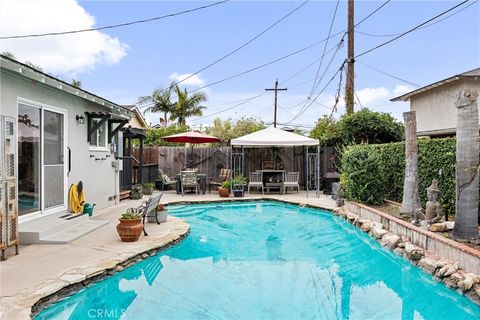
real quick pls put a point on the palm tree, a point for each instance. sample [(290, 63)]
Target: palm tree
[(8, 54), (466, 204), (76, 83), (187, 106), (160, 101)]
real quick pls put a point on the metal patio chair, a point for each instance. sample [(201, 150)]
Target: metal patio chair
[(148, 209), (255, 180), (291, 181), (189, 179)]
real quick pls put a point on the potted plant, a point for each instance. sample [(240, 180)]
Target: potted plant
[(238, 184), (148, 188), (137, 192), (130, 226), (224, 189)]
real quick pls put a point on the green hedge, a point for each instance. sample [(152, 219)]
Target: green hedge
[(436, 160), (362, 177)]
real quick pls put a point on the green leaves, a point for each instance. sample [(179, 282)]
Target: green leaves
[(154, 135), (227, 130), (436, 160), (362, 176)]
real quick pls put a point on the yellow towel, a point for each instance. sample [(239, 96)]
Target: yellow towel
[(75, 200)]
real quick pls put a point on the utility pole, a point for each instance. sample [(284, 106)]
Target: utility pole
[(275, 112), (349, 88)]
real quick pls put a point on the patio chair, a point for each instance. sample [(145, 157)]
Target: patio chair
[(255, 179), (189, 180), (291, 181), (225, 174), (164, 180), (148, 209)]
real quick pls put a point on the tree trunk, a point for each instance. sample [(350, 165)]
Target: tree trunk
[(466, 205), (411, 199)]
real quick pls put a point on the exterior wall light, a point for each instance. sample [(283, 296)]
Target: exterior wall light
[(80, 119)]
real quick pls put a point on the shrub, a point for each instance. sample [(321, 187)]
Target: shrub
[(362, 176), (436, 160)]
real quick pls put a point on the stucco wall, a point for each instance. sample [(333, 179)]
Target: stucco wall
[(99, 177), (435, 108)]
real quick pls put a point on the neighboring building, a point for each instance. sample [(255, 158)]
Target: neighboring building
[(434, 103), (63, 135), (138, 121)]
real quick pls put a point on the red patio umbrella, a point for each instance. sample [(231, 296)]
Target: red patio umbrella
[(192, 137)]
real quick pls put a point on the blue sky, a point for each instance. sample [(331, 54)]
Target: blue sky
[(147, 55)]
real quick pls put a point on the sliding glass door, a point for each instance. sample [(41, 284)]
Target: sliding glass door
[(29, 159), (41, 148)]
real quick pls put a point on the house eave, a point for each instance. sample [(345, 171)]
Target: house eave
[(24, 71)]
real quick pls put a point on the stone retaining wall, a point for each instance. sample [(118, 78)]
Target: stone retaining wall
[(450, 262), (467, 257)]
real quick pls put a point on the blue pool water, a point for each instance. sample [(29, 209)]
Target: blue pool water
[(267, 260)]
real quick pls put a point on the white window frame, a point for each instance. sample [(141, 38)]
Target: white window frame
[(96, 147)]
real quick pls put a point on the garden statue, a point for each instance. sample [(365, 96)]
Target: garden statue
[(433, 210)]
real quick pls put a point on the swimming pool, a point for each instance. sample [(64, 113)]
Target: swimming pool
[(267, 260)]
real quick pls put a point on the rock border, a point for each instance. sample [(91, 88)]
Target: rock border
[(442, 269)]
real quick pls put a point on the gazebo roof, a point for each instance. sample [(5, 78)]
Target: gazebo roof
[(274, 137)]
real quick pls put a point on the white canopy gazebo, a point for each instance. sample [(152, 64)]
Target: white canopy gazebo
[(274, 137)]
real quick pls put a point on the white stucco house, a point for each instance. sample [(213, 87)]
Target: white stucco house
[(53, 135), (434, 103)]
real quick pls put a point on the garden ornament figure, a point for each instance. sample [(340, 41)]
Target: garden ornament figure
[(434, 211)]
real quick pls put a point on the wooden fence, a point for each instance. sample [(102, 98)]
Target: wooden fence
[(210, 160)]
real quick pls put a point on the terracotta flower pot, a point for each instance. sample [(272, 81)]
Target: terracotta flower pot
[(130, 230), (224, 192)]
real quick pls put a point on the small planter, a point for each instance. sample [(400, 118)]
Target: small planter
[(130, 230), (238, 192), (137, 192), (148, 190), (223, 192)]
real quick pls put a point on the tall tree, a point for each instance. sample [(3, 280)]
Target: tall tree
[(160, 101), (8, 54), (76, 83), (466, 204), (411, 198), (187, 105)]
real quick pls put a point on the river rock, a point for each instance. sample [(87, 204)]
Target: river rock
[(428, 265), (476, 288), (447, 270), (399, 251), (366, 226), (452, 281), (438, 227), (467, 282), (390, 241), (450, 224), (378, 232), (413, 252), (352, 216)]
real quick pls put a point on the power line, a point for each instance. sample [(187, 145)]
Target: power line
[(114, 25), (324, 49), (425, 26), (358, 99), (387, 74), (411, 30), (282, 58), (245, 44)]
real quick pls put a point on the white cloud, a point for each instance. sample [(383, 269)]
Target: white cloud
[(192, 80), (402, 89), (64, 54)]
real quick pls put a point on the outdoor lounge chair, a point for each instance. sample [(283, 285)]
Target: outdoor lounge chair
[(225, 174), (255, 179), (291, 181), (164, 180), (148, 209), (188, 179)]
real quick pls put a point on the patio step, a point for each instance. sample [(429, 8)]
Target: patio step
[(74, 232), (60, 227), (125, 195)]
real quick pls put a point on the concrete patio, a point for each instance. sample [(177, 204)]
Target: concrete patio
[(42, 269)]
